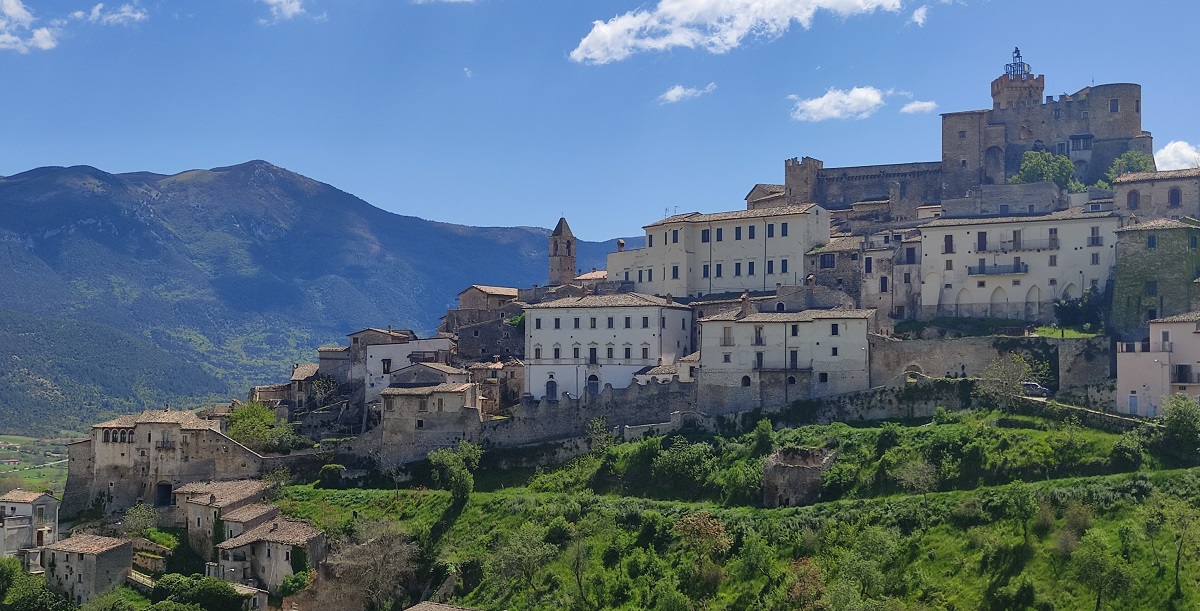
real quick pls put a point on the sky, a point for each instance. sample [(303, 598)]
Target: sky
[(613, 113)]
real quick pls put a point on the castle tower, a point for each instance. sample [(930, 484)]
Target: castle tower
[(1018, 87), (562, 254)]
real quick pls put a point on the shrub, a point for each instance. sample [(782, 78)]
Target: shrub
[(559, 531), (330, 476), (295, 582)]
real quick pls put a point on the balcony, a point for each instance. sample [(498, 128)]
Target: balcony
[(997, 270), (1095, 240), (1019, 245), (758, 341), (164, 444), (1144, 346), (1185, 377)]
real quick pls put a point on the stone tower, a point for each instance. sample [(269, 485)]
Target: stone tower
[(1018, 87), (562, 254)]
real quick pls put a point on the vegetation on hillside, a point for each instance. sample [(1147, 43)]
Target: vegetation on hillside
[(256, 426), (1038, 166)]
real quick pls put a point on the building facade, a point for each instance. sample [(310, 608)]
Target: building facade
[(265, 555), (84, 567), (1151, 370), (1146, 196), (1158, 263)]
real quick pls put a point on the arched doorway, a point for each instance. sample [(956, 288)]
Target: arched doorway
[(1071, 291), (1033, 303), (998, 304), (962, 303), (551, 390), (162, 494), (993, 166), (593, 386)]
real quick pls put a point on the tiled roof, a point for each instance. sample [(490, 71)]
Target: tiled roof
[(802, 316), (691, 358), (86, 544), (659, 370), (283, 531), (186, 420), (444, 368), (1061, 215), (840, 244), (1164, 175), (249, 512), (1187, 317), (432, 606), (220, 494), (21, 496), (599, 274), (696, 217), (616, 300), (425, 390), (562, 228), (304, 372), (332, 348), (487, 365), (1158, 224), (407, 333), (503, 291)]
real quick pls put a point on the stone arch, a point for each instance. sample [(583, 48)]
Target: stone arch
[(779, 307), (998, 302), (1033, 303), (1071, 291), (962, 300), (555, 253), (162, 494), (551, 389), (593, 385), (106, 435), (745, 380), (122, 437), (1133, 200), (993, 166), (791, 380)]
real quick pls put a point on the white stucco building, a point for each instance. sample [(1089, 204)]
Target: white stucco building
[(578, 344), (384, 359), (1167, 363), (1016, 266), (696, 254)]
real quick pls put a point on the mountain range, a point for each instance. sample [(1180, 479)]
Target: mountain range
[(124, 291)]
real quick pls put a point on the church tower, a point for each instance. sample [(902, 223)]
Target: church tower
[(562, 254)]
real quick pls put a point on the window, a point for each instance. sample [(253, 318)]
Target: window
[(674, 236), (726, 358), (1137, 106), (962, 163), (537, 353), (910, 255), (770, 267), (1151, 241), (1192, 242), (720, 233), (420, 424), (1061, 146), (948, 245), (628, 353), (639, 275), (627, 276), (674, 272), (907, 278), (1095, 258), (387, 363), (650, 275), (1053, 261), (823, 378), (833, 351), (750, 268), (1052, 282), (737, 233), (645, 322), (1016, 283), (106, 435), (649, 240), (610, 322), (537, 323), (750, 232), (745, 380), (1133, 200), (1114, 105), (770, 230), (883, 284), (949, 265), (592, 356), (558, 353), (592, 323), (795, 330), (962, 134), (1175, 197), (557, 324), (827, 261), (1003, 208), (609, 352), (704, 271), (867, 264), (833, 329), (645, 353), (705, 234), (718, 270), (783, 230), (980, 284), (576, 322), (737, 269), (783, 266), (628, 321), (1152, 288)]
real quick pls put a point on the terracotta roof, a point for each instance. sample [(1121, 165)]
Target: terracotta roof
[(487, 365), (840, 244), (86, 544), (304, 372), (1164, 175), (408, 333), (1158, 224), (691, 358), (22, 496), (1061, 215), (803, 316), (186, 420), (332, 348), (249, 512), (442, 367), (432, 606), (284, 531), (455, 387), (696, 217), (503, 291), (220, 494), (617, 300), (1187, 317), (599, 274), (658, 370)]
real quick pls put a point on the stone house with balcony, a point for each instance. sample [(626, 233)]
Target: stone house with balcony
[(1014, 267), (30, 521), (1157, 273), (84, 567), (266, 554), (579, 345), (1153, 369)]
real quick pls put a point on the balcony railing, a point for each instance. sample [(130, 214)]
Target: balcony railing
[(726, 341), (997, 270), (1095, 240), (1145, 346), (758, 341), (1185, 377), (164, 444), (1023, 244)]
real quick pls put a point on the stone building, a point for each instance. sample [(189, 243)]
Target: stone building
[(793, 476), (578, 345), (837, 264), (418, 420), (268, 553), (891, 193), (84, 567), (696, 254), (1093, 127), (483, 297), (1151, 370), (383, 359), (501, 383), (1158, 195), (496, 336), (1006, 200), (204, 505), (428, 374), (562, 254), (1158, 263), (28, 521), (144, 457)]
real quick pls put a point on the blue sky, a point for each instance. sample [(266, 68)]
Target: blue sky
[(511, 112)]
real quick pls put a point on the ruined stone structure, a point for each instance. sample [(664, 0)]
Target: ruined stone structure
[(562, 254), (793, 476)]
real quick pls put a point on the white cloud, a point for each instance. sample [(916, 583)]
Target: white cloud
[(467, 72), (1177, 155), (919, 15), (17, 32), (716, 25), (286, 10), (679, 93), (917, 106), (123, 15), (857, 103)]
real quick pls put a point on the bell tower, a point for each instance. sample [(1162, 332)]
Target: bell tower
[(562, 254), (1018, 87)]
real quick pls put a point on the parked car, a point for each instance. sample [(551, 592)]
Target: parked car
[(1033, 389)]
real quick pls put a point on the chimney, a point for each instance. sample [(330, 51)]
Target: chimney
[(621, 245), (212, 499), (294, 366), (670, 300), (274, 526), (747, 307)]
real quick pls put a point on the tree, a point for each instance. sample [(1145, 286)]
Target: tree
[(138, 518), (1039, 166), (323, 388), (1002, 380), (452, 468), (255, 426), (756, 558), (10, 568), (1021, 505), (702, 533), (1181, 425), (763, 437), (210, 593), (375, 567), (1181, 519), (1099, 567), (599, 437), (523, 555), (1128, 163)]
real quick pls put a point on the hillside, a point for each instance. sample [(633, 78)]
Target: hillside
[(122, 291)]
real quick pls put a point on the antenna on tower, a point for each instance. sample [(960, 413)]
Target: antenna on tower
[(666, 212)]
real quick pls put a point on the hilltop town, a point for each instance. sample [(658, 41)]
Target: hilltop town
[(838, 295)]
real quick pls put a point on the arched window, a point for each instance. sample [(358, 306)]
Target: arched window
[(568, 248), (1175, 197), (551, 390), (1133, 200), (779, 307), (122, 436), (105, 435), (745, 380), (556, 248), (593, 385), (791, 379)]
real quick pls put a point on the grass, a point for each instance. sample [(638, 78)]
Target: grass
[(1052, 331)]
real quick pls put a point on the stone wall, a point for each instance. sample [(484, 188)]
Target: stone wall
[(484, 340), (1171, 266), (793, 476)]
